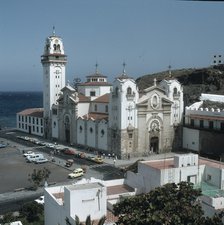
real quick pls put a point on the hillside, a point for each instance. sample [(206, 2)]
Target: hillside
[(194, 81)]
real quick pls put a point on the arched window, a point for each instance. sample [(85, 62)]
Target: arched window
[(129, 91), (175, 91), (80, 129), (58, 47), (91, 130), (55, 47), (95, 108), (102, 132), (106, 108)]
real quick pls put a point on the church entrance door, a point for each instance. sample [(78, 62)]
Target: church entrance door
[(67, 129), (154, 144), (67, 136)]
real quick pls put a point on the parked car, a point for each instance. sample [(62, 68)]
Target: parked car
[(95, 159), (33, 158), (3, 146), (76, 173), (69, 162), (28, 153), (49, 145), (40, 200), (98, 160), (80, 155), (69, 152), (40, 160)]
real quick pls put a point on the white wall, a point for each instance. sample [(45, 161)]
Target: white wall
[(29, 124), (83, 109), (102, 138), (54, 212), (54, 125), (91, 136), (151, 176), (213, 176), (85, 199), (135, 180), (81, 132), (191, 139)]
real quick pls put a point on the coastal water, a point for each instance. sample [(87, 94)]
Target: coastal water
[(13, 102)]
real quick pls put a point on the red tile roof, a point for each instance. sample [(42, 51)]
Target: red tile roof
[(102, 99), (35, 112), (169, 163), (83, 98), (119, 189), (160, 164), (96, 116)]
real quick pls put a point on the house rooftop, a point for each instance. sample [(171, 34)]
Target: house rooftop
[(95, 116), (169, 163), (34, 112), (119, 189), (102, 99), (84, 186)]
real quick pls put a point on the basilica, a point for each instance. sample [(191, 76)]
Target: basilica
[(109, 117)]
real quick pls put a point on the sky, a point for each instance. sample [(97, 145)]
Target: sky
[(148, 35)]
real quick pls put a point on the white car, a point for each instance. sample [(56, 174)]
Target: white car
[(40, 160), (33, 158), (28, 153), (40, 200), (76, 173)]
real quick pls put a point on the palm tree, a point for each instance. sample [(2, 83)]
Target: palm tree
[(88, 221)]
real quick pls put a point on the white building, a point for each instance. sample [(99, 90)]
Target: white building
[(111, 118), (204, 173), (204, 125), (86, 197), (31, 121), (96, 197), (217, 59)]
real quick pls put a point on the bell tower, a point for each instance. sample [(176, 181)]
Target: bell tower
[(53, 61)]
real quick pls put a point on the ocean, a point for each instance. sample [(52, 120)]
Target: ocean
[(13, 102)]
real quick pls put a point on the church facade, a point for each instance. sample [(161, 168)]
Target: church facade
[(111, 118)]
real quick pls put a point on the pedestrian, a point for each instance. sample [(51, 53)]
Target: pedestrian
[(114, 162)]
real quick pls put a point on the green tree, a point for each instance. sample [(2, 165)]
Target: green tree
[(166, 205), (32, 212), (39, 176), (7, 218)]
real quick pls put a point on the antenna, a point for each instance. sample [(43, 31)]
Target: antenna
[(170, 72), (53, 31), (124, 64), (96, 65)]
